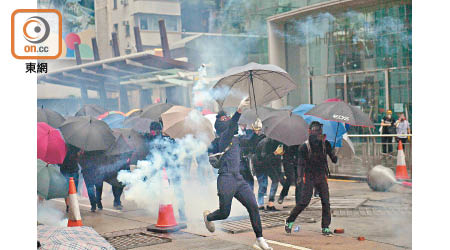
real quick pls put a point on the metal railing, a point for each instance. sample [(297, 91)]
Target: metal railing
[(368, 153)]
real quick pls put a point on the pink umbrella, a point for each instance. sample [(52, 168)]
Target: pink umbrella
[(333, 100), (51, 147)]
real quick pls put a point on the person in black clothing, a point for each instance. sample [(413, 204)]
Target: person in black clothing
[(230, 182), (246, 153), (290, 161), (313, 168), (161, 144), (69, 168), (387, 127), (269, 166), (91, 167)]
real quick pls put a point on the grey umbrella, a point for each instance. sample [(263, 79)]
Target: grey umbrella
[(120, 146), (140, 124), (249, 116), (50, 182), (87, 133), (285, 127), (133, 138), (50, 117), (154, 111), (341, 112), (90, 110), (262, 82)]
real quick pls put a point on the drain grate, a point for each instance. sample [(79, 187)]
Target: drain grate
[(338, 203), (268, 220), (130, 240), (370, 211)]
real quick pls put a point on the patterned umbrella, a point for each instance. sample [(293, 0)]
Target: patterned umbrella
[(76, 238)]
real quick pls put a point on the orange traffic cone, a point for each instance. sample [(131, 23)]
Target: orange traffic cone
[(166, 219), (74, 209), (401, 172)]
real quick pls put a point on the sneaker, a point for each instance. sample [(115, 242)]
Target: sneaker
[(118, 207), (209, 224), (272, 209), (288, 226), (261, 244), (327, 232), (93, 208), (280, 200)]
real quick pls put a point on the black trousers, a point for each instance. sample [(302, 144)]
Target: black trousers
[(318, 181), (387, 144), (233, 185), (290, 172)]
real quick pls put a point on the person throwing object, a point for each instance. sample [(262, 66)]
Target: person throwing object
[(230, 182), (313, 169)]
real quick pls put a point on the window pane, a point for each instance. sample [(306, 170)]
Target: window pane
[(144, 24)]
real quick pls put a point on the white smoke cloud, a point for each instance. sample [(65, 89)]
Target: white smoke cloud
[(49, 215)]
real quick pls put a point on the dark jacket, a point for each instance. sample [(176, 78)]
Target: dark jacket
[(70, 164), (290, 155), (315, 161), (232, 158), (266, 162)]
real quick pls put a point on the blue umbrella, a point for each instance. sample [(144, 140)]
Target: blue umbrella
[(114, 120), (329, 127)]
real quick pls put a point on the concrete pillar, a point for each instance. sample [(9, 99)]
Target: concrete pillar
[(145, 97), (123, 100)]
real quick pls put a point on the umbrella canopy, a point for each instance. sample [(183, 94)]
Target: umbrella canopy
[(212, 119), (50, 117), (102, 116), (329, 127), (347, 150), (140, 124), (87, 133), (133, 138), (341, 112), (51, 146), (249, 116), (285, 127), (120, 146), (50, 182), (180, 121), (114, 120), (154, 111), (90, 110), (134, 112), (262, 82), (75, 238)]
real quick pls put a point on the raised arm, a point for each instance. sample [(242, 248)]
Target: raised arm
[(330, 152)]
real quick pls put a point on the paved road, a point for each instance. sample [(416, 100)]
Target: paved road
[(383, 218)]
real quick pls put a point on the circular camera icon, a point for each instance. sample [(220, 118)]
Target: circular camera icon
[(36, 29)]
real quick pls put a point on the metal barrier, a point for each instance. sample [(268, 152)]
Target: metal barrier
[(368, 153)]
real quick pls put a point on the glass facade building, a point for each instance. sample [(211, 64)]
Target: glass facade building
[(357, 51)]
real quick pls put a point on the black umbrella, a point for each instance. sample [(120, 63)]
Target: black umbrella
[(249, 116), (341, 112), (261, 82), (91, 110), (120, 146), (140, 124), (87, 133), (285, 127), (154, 111), (50, 117), (133, 138)]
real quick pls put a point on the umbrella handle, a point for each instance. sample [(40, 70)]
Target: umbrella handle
[(253, 88), (335, 137)]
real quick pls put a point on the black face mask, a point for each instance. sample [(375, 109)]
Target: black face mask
[(221, 126), (315, 141)]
